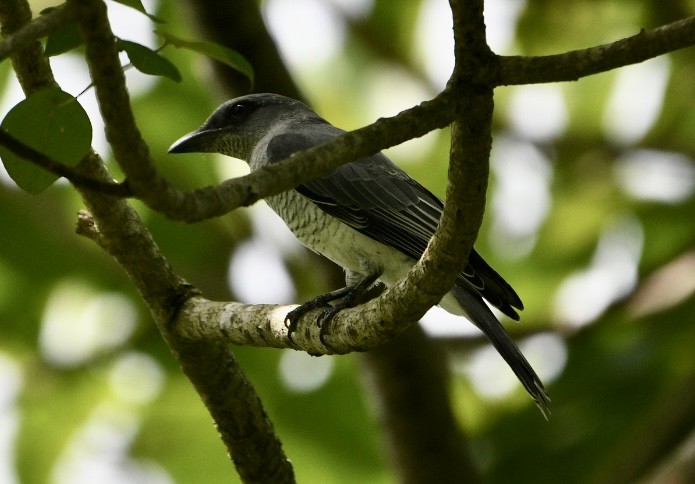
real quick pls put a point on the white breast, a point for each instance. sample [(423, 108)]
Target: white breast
[(337, 241)]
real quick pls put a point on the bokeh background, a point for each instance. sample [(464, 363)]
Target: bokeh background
[(591, 216)]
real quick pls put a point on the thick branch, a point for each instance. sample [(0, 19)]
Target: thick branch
[(573, 65), (239, 415), (210, 365)]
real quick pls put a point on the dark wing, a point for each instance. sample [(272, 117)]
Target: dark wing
[(377, 198)]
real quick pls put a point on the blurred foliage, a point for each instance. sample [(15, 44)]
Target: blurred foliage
[(622, 402)]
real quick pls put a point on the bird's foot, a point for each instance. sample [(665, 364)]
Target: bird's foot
[(328, 314), (349, 297), (322, 301)]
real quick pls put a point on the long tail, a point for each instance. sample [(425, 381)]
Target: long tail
[(478, 312)]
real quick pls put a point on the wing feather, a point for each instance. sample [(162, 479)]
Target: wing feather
[(375, 197)]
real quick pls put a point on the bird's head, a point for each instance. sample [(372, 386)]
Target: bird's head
[(239, 124)]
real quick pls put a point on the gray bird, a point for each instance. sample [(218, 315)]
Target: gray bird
[(368, 216)]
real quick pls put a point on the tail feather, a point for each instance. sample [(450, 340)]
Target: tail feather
[(478, 312)]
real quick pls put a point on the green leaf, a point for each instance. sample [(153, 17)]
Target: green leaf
[(148, 61), (218, 52), (137, 5), (50, 121), (62, 40)]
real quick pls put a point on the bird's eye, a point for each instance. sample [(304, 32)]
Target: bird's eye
[(240, 108)]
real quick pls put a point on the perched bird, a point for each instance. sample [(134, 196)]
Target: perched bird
[(368, 216)]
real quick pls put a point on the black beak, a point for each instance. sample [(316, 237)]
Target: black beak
[(198, 141)]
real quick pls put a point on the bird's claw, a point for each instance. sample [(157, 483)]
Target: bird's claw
[(325, 317), (292, 320), (293, 317), (322, 301), (347, 297)]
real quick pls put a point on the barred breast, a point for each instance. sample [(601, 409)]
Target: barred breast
[(345, 246)]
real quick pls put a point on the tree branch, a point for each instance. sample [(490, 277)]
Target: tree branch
[(472, 92), (210, 365), (576, 64), (132, 153), (31, 67), (312, 163), (209, 202), (236, 409), (174, 304), (128, 146), (34, 30), (417, 293)]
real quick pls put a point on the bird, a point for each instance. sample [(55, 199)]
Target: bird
[(368, 216)]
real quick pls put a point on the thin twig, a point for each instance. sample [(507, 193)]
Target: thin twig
[(47, 163), (576, 64)]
